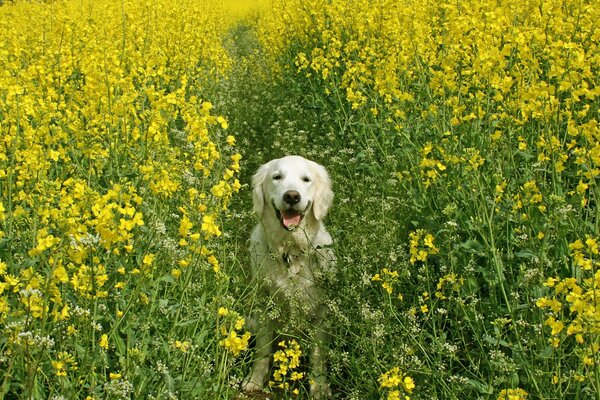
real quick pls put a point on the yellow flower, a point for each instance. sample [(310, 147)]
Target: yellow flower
[(388, 288), (512, 394), (285, 360), (209, 227), (176, 273), (235, 343), (212, 260), (421, 246), (148, 259), (65, 362), (409, 384), (557, 326), (391, 378), (582, 187), (60, 274), (183, 346), (388, 278), (104, 341), (223, 311), (592, 245), (64, 313), (184, 226), (552, 304), (397, 382), (44, 241), (59, 368), (239, 324), (296, 376), (540, 235), (551, 282), (183, 263), (223, 122)]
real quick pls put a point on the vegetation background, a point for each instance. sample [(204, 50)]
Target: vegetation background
[(462, 139)]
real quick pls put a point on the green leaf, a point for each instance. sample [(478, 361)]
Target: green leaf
[(481, 387), (472, 244), (119, 343), (525, 254)]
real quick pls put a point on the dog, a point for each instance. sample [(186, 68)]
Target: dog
[(290, 252)]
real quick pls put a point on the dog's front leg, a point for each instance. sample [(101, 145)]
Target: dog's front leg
[(260, 367), (319, 388)]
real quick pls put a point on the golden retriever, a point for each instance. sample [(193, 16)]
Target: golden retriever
[(290, 251)]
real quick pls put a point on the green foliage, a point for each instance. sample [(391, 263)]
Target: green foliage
[(462, 140)]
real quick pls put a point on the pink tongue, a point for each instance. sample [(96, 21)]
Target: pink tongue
[(290, 218)]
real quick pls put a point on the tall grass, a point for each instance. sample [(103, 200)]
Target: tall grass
[(115, 176), (462, 140)]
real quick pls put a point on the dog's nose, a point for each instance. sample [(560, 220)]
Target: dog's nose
[(291, 197)]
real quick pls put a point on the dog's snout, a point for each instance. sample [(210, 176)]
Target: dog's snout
[(291, 197)]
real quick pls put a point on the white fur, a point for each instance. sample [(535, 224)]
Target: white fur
[(288, 263)]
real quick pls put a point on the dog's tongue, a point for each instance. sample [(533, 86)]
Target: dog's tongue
[(290, 218)]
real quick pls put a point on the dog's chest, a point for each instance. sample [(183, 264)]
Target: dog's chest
[(293, 270), (292, 277)]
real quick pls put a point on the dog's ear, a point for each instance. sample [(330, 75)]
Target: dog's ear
[(323, 192), (258, 196)]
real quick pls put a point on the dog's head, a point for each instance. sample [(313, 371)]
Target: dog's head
[(292, 187)]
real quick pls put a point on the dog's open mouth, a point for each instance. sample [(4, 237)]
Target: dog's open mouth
[(289, 219)]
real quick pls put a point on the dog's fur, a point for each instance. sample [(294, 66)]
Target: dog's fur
[(290, 251)]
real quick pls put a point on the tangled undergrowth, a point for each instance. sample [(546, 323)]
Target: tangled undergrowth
[(462, 139)]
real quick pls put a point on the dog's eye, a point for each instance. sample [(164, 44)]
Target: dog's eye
[(276, 177), (306, 179)]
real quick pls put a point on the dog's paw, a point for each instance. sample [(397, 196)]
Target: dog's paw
[(320, 390), (249, 386)]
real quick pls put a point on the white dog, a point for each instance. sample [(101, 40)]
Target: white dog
[(290, 251)]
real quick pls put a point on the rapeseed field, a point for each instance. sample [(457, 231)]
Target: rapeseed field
[(462, 139)]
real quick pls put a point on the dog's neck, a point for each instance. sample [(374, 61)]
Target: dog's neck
[(287, 244)]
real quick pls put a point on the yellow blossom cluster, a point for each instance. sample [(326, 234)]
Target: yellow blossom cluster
[(184, 346), (398, 385), (234, 342), (103, 342), (388, 279), (486, 112), (585, 254), (529, 196), (580, 297), (431, 167), (230, 326), (517, 73), (512, 394), (63, 363), (574, 309), (285, 361), (236, 11), (115, 173), (450, 283), (421, 246)]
